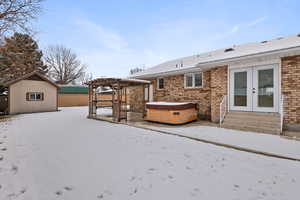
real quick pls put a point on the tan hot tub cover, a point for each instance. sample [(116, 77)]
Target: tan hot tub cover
[(171, 112)]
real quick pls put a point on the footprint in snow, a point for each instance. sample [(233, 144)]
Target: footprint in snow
[(169, 163), (68, 188), (151, 170), (195, 192), (1, 158), (59, 193), (22, 191), (171, 177), (236, 187), (134, 191), (100, 196), (186, 155), (3, 149), (14, 169)]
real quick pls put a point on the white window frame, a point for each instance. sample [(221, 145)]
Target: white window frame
[(35, 94), (193, 80), (157, 85)]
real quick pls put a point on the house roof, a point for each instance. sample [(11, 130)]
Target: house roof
[(73, 89), (226, 54), (5, 82)]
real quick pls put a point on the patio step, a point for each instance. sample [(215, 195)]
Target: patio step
[(253, 121)]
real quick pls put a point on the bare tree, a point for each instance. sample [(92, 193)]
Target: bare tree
[(136, 70), (85, 78), (64, 65), (15, 15)]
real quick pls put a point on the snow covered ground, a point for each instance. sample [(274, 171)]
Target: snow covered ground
[(63, 155), (273, 144)]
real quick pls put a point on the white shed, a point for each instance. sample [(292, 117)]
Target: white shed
[(31, 93)]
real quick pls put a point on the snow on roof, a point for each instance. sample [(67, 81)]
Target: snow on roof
[(164, 103), (108, 81), (106, 91), (236, 51)]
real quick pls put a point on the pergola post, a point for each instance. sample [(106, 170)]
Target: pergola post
[(119, 103), (90, 105), (143, 102), (148, 93), (126, 109), (119, 95)]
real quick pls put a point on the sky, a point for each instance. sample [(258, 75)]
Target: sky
[(112, 37)]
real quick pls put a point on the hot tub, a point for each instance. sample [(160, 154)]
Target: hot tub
[(171, 112)]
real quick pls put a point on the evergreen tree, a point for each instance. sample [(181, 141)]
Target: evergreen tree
[(20, 55)]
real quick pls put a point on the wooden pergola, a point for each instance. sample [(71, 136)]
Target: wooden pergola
[(119, 103)]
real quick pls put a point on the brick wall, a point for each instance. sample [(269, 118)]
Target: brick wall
[(135, 98), (174, 91), (208, 98), (218, 90), (290, 86)]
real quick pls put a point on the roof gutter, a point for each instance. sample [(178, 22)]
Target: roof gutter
[(211, 64)]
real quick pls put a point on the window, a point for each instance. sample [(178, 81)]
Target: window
[(34, 96), (189, 80), (160, 83), (198, 79), (193, 80)]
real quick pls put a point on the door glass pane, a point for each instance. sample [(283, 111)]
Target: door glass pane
[(240, 89), (265, 88)]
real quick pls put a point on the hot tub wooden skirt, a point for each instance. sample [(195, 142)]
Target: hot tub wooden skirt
[(171, 114)]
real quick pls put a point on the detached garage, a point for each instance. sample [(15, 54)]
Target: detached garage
[(30, 93), (73, 95)]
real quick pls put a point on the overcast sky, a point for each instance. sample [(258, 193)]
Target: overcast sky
[(113, 36)]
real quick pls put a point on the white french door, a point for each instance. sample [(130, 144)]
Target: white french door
[(254, 89)]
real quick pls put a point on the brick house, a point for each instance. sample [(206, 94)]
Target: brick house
[(261, 80)]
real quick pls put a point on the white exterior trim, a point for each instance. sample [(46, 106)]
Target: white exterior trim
[(244, 67), (193, 80)]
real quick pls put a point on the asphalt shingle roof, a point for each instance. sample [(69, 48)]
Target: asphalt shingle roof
[(236, 51)]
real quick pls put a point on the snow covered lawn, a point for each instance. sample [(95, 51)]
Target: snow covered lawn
[(63, 155)]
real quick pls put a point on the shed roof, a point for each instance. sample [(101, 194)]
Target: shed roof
[(77, 89), (226, 54), (6, 82)]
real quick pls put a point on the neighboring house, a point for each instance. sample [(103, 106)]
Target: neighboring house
[(77, 95), (260, 79), (73, 95), (30, 93)]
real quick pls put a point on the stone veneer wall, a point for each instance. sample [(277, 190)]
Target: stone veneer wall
[(290, 86)]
